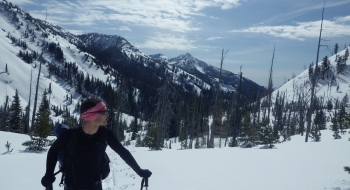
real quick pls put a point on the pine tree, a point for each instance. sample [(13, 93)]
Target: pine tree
[(311, 71), (42, 128), (134, 126), (139, 142), (320, 120), (182, 140), (325, 66), (315, 132), (335, 126), (246, 138), (329, 105), (336, 47), (15, 115), (267, 134), (342, 113), (26, 120), (151, 138), (347, 168)]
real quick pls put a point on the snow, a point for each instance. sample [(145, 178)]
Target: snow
[(19, 73), (324, 88), (291, 165)]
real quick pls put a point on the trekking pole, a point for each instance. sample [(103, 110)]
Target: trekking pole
[(144, 181), (49, 187)]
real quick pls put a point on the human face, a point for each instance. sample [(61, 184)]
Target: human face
[(102, 117)]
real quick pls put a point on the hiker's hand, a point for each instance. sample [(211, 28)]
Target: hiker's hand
[(144, 173), (47, 180)]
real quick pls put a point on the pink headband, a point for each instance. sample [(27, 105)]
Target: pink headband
[(90, 114)]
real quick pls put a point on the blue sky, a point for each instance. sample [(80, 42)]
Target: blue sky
[(248, 29)]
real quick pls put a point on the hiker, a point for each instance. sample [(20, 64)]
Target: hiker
[(83, 166)]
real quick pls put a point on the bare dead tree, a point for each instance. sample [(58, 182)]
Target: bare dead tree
[(37, 89), (235, 125), (163, 114), (313, 84), (216, 117), (270, 86)]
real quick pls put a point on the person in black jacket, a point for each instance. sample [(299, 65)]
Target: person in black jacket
[(83, 172)]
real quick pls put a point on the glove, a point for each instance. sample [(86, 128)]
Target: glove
[(47, 180), (144, 173)]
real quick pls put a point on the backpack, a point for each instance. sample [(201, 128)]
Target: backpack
[(64, 155)]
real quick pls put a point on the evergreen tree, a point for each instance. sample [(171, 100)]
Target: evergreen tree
[(182, 140), (346, 55), (246, 138), (15, 115), (267, 134), (26, 120), (315, 132), (1, 114), (42, 127), (329, 105), (320, 120), (325, 66), (139, 142), (311, 71), (134, 126), (336, 47), (347, 168), (151, 138), (335, 126), (342, 113)]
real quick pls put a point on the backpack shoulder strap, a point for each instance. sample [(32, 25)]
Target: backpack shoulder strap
[(73, 142), (70, 150)]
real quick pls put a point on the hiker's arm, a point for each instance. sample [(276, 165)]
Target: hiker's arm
[(122, 151), (53, 152)]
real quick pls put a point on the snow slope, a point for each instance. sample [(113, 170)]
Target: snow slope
[(293, 165), (324, 88), (19, 72)]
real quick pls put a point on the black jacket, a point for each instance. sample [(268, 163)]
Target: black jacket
[(87, 156)]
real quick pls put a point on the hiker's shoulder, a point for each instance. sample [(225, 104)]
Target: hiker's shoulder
[(71, 131), (104, 130)]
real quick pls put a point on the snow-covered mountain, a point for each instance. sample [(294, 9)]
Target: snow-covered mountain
[(210, 74), (113, 49), (19, 32), (332, 84)]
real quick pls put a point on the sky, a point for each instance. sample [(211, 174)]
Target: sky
[(248, 29)]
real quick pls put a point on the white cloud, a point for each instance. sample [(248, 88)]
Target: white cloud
[(20, 2), (124, 28), (302, 30), (214, 38), (173, 15), (343, 19), (168, 42), (299, 8)]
